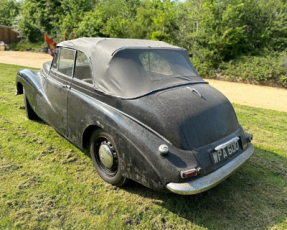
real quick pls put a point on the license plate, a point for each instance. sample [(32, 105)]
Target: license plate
[(227, 150)]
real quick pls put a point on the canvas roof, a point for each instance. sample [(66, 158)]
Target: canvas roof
[(110, 45), (116, 68)]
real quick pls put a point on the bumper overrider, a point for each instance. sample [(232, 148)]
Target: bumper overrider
[(206, 182)]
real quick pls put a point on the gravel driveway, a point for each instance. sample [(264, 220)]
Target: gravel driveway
[(30, 59)]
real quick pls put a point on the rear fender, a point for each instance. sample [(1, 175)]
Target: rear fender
[(138, 145)]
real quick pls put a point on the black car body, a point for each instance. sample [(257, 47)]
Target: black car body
[(143, 111)]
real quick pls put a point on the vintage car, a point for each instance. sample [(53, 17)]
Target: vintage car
[(142, 110)]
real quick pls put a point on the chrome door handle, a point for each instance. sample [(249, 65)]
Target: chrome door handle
[(66, 86)]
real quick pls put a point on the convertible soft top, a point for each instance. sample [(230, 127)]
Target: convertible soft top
[(131, 68)]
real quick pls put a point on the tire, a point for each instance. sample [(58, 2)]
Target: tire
[(31, 115), (105, 156)]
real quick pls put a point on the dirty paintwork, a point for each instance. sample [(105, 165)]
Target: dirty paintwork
[(191, 119)]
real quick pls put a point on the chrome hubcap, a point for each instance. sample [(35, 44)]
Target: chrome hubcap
[(106, 156)]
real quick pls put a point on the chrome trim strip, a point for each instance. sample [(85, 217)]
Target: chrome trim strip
[(224, 145), (155, 90), (195, 91), (204, 183)]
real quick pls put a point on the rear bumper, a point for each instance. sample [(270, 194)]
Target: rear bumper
[(204, 183)]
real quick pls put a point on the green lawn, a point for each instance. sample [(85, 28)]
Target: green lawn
[(48, 183)]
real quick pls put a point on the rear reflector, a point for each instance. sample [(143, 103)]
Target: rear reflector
[(199, 170)]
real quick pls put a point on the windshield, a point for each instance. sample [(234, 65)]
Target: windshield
[(135, 72)]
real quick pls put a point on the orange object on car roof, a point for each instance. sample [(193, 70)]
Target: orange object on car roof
[(54, 44)]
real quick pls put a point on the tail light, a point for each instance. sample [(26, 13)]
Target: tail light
[(249, 137), (190, 173)]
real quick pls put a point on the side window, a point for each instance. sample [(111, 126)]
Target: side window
[(66, 61), (83, 70)]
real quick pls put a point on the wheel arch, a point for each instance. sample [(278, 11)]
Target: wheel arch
[(87, 135), (19, 88), (132, 153), (137, 144)]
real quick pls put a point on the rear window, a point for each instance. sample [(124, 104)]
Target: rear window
[(155, 65), (134, 72), (162, 64)]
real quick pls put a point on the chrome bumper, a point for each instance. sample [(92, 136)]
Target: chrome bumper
[(210, 180)]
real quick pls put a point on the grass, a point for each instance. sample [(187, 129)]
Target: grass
[(48, 183)]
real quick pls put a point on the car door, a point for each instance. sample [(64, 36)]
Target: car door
[(56, 88), (80, 110)]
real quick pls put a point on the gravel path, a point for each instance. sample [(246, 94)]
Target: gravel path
[(265, 97), (240, 93), (30, 59)]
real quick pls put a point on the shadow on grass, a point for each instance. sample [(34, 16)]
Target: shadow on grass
[(39, 121), (84, 151), (251, 198)]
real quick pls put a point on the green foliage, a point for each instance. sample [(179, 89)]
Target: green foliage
[(268, 69), (23, 45), (222, 31), (111, 18), (27, 29), (155, 20), (271, 69), (38, 17), (9, 9), (93, 24), (50, 16), (232, 28), (74, 12)]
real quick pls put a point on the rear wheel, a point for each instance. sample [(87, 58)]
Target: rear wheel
[(31, 115), (106, 159)]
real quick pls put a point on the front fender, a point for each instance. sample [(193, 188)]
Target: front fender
[(31, 81)]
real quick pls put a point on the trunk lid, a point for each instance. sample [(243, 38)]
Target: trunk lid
[(203, 114)]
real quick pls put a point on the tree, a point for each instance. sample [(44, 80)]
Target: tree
[(155, 20), (38, 17), (74, 12), (9, 9), (50, 16), (110, 18)]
